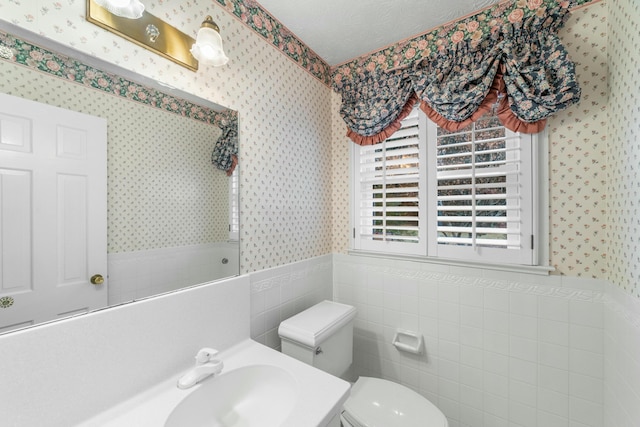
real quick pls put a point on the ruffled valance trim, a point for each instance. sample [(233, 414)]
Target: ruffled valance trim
[(387, 94), (225, 151), (495, 101), (514, 123), (521, 72), (234, 164), (389, 130), (453, 126)]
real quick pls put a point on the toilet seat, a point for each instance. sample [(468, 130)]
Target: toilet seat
[(380, 403)]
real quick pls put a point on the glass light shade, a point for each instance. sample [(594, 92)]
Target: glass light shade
[(208, 46), (131, 9)]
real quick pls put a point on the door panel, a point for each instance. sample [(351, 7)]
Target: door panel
[(15, 133), (15, 189), (72, 229), (53, 207)]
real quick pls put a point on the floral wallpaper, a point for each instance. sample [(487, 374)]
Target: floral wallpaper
[(578, 154), (578, 151), (340, 154), (162, 189), (24, 53), (623, 174), (295, 184), (254, 16), (251, 13), (284, 118), (476, 28)]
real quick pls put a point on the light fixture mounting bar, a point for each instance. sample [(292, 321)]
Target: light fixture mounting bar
[(149, 32)]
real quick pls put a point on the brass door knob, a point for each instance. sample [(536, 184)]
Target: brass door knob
[(97, 279)]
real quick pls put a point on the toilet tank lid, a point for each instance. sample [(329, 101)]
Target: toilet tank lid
[(315, 324)]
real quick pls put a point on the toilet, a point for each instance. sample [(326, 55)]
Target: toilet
[(322, 336)]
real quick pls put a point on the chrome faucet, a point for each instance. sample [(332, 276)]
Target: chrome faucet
[(206, 366)]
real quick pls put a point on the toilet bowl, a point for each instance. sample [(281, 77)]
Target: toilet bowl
[(381, 403), (322, 336)]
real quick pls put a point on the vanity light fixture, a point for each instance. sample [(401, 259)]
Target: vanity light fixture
[(128, 19), (148, 31), (208, 46), (131, 9)]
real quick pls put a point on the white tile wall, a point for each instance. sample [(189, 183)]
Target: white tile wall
[(280, 292), (502, 349), (139, 274), (62, 373), (621, 359), (536, 351), (113, 354)]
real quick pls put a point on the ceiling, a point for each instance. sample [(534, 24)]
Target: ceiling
[(341, 30)]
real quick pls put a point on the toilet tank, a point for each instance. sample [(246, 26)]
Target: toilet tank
[(321, 336)]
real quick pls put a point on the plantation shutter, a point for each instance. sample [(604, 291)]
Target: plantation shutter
[(390, 192), (481, 193)]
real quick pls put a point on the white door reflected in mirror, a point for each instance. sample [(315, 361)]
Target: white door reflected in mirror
[(53, 177)]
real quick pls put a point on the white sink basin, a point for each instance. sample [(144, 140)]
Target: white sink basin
[(251, 396), (257, 387)]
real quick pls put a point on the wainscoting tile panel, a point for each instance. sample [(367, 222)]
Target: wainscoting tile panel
[(140, 274), (621, 366), (281, 292), (516, 346)]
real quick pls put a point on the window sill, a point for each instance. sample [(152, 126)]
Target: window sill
[(514, 268)]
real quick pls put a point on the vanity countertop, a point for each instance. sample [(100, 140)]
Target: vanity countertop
[(318, 395)]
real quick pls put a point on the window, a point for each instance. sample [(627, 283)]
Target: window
[(468, 194), (389, 186)]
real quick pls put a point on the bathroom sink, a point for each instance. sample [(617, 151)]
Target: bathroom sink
[(251, 396), (258, 386)]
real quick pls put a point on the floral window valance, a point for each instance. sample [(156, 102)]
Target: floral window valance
[(225, 152), (521, 70)]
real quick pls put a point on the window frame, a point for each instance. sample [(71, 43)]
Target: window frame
[(525, 158), (393, 247), (539, 263)]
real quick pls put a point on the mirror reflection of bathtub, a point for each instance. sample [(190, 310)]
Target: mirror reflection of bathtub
[(169, 209)]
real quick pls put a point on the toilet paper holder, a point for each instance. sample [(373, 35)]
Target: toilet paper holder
[(408, 341)]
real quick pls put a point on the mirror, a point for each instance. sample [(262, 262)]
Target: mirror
[(172, 216)]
